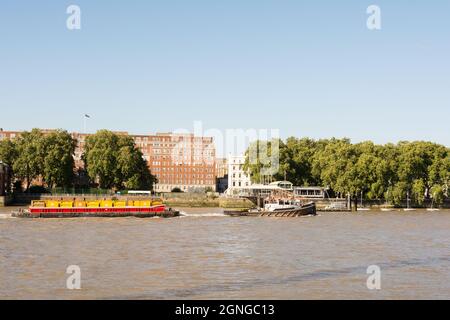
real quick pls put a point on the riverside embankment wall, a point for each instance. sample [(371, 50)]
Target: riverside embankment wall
[(209, 201), (5, 200)]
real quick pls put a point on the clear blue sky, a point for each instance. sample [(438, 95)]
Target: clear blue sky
[(308, 68)]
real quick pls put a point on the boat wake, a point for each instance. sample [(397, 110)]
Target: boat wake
[(6, 216), (195, 215)]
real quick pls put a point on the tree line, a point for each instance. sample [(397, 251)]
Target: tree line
[(111, 161), (392, 172)]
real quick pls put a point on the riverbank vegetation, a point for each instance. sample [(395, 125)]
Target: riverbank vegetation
[(46, 159), (391, 172), (116, 163)]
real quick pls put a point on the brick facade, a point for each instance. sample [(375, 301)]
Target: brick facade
[(178, 160)]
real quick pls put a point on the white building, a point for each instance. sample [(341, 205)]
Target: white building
[(237, 177)]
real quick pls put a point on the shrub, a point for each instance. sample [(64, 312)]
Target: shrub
[(37, 189)]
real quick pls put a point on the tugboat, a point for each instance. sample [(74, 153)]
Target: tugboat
[(105, 208), (279, 208)]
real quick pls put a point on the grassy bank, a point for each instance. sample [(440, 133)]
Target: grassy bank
[(206, 202), (210, 203)]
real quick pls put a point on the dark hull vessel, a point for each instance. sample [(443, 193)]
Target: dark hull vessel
[(308, 209)]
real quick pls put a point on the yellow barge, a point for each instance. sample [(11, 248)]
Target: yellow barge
[(96, 208)]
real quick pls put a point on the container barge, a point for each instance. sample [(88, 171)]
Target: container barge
[(103, 208)]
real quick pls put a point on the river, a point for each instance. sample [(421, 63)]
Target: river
[(205, 255)]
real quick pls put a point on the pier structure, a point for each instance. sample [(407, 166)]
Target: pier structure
[(260, 193)]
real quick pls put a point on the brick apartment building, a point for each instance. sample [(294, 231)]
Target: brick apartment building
[(221, 167), (221, 175), (178, 160)]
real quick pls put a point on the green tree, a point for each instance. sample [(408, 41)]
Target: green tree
[(8, 152), (29, 162), (260, 157), (389, 172), (437, 195), (386, 171), (100, 157), (439, 171), (132, 166), (418, 191), (115, 162), (341, 168), (397, 193), (296, 158), (421, 166), (58, 168), (445, 174)]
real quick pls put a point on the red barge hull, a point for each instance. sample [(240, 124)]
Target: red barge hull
[(109, 212)]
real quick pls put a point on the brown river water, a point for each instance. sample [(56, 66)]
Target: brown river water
[(206, 255)]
